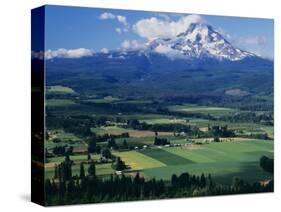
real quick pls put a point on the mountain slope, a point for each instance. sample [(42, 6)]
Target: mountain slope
[(200, 41), (197, 62)]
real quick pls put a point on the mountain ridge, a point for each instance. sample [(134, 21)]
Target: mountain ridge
[(199, 41)]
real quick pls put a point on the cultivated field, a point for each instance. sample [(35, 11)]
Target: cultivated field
[(58, 89), (60, 102), (114, 130), (190, 108), (139, 161), (235, 156), (222, 160)]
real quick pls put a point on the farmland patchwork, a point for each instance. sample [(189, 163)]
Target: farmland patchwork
[(136, 105)]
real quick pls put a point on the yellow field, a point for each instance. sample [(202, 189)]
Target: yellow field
[(138, 161)]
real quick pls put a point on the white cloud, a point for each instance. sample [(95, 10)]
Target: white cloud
[(121, 19), (167, 51), (126, 44), (104, 50), (68, 53), (153, 28), (163, 49), (132, 45), (105, 16), (118, 30)]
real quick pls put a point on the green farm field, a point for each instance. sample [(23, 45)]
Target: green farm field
[(164, 121), (59, 89), (114, 130), (166, 157), (222, 160), (106, 99), (66, 139), (190, 108), (60, 103), (236, 156), (222, 172), (139, 161)]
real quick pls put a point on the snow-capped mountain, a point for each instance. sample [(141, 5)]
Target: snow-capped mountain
[(199, 41), (197, 62)]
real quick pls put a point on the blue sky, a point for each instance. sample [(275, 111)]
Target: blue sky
[(96, 29)]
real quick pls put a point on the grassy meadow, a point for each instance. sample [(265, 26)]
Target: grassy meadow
[(134, 124)]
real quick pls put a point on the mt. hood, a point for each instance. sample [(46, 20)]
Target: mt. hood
[(198, 41)]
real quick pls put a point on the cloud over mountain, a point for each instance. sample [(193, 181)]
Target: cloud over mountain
[(104, 50), (132, 45), (153, 28)]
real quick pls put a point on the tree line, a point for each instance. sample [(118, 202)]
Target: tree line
[(267, 164), (89, 188)]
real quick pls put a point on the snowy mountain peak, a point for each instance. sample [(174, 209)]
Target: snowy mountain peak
[(199, 41)]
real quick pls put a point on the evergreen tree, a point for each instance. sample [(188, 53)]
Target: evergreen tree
[(156, 133), (61, 190), (111, 143), (65, 169), (92, 169), (56, 174), (98, 149), (48, 187), (82, 171), (119, 164), (106, 153), (216, 139), (92, 144), (174, 180), (267, 164), (89, 157), (67, 158), (125, 144), (203, 181), (70, 189)]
